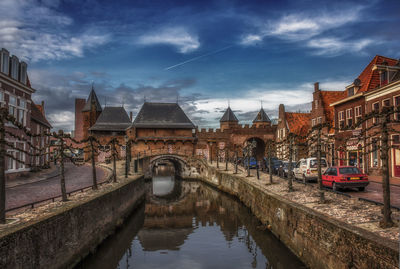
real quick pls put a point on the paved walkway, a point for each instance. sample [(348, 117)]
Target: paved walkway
[(34, 176), (76, 177), (378, 179)]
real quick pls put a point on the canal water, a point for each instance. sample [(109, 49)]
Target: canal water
[(188, 224)]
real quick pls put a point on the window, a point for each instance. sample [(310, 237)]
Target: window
[(12, 103), (313, 122), (350, 91), (22, 112), (341, 119), (349, 117), (395, 139), (383, 78), (319, 120), (396, 103), (22, 72), (1, 96), (358, 114), (5, 61), (386, 103), (375, 108), (14, 67), (349, 170)]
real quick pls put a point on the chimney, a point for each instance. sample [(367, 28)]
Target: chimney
[(130, 116), (316, 86), (43, 107)]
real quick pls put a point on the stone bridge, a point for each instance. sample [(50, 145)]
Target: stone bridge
[(186, 166)]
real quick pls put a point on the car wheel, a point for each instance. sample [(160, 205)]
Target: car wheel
[(304, 179), (361, 188), (334, 187)]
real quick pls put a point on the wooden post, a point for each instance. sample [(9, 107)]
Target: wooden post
[(94, 187), (62, 169), (2, 168), (386, 221), (270, 161), (290, 168), (114, 173), (321, 192)]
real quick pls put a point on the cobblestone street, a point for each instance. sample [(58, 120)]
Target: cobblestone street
[(76, 177)]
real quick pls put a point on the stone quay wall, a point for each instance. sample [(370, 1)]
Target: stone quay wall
[(318, 240), (64, 237)]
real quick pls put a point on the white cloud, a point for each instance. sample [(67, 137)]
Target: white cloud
[(251, 39), (34, 30), (330, 46), (178, 37)]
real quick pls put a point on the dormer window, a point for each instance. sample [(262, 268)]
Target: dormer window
[(350, 91), (384, 79), (5, 61), (14, 67), (22, 72)]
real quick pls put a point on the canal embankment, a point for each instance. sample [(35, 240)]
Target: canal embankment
[(60, 234), (315, 235)]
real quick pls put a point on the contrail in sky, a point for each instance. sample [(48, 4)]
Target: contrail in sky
[(198, 57)]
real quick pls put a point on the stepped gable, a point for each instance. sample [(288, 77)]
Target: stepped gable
[(92, 99), (261, 117), (298, 123), (229, 116), (370, 78), (112, 119), (162, 115)]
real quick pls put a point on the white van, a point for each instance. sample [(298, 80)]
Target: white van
[(306, 169)]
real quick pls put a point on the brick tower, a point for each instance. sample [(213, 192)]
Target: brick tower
[(261, 119), (91, 111), (228, 120)]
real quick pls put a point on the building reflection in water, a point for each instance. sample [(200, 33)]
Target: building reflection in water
[(187, 224)]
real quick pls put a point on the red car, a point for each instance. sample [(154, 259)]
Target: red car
[(342, 177)]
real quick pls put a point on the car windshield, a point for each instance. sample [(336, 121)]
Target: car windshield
[(313, 163), (349, 170)]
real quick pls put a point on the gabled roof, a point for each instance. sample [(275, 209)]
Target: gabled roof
[(112, 119), (229, 116), (329, 97), (370, 78), (92, 99), (38, 116), (262, 117), (298, 123), (162, 115)]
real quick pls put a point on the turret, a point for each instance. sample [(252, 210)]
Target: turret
[(228, 120), (261, 119), (91, 111)]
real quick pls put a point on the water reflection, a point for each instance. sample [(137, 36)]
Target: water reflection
[(195, 227)]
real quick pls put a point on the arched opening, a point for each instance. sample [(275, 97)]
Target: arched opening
[(259, 151)]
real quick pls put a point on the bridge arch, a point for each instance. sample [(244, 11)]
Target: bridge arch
[(259, 151)]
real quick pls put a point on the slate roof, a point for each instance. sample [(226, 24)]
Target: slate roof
[(370, 78), (298, 123), (162, 115), (112, 119), (262, 117), (92, 98), (38, 116), (229, 116)]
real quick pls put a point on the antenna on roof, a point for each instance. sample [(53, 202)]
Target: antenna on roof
[(144, 99), (92, 85), (261, 104), (229, 103), (105, 101), (177, 99), (122, 101)]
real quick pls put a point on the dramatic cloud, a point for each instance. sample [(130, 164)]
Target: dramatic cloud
[(178, 37), (34, 30), (334, 46)]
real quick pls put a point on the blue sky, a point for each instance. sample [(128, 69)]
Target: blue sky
[(205, 52)]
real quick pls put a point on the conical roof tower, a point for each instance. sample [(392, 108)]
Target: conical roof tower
[(228, 120)]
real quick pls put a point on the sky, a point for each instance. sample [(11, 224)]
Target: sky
[(201, 54)]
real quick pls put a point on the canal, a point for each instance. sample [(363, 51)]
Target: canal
[(188, 224)]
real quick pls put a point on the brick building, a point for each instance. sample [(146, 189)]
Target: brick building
[(321, 113), (350, 140), (16, 94), (291, 122), (387, 94)]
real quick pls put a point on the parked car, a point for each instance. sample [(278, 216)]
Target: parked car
[(276, 164), (266, 162), (306, 169), (283, 170), (253, 162), (343, 177)]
